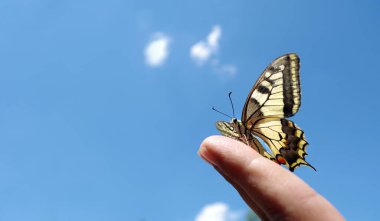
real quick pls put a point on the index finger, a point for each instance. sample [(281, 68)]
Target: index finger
[(280, 193)]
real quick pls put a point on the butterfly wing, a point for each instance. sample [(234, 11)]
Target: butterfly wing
[(284, 138), (255, 144), (275, 96), (277, 92)]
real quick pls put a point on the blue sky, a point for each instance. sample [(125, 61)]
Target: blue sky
[(90, 129)]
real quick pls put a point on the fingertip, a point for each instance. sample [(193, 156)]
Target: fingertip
[(225, 152), (208, 148), (208, 142)]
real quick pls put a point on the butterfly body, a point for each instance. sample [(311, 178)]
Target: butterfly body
[(274, 97), (236, 130)]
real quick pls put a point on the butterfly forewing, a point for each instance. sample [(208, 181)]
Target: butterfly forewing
[(277, 92)]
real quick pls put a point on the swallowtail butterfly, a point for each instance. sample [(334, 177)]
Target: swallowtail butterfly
[(275, 97)]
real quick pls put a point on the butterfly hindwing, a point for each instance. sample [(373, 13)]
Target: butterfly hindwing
[(285, 139)]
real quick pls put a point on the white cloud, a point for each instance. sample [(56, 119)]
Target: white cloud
[(202, 50), (225, 69), (228, 69), (157, 50), (218, 212), (213, 37)]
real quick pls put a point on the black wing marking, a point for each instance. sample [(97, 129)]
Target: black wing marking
[(277, 92), (284, 138)]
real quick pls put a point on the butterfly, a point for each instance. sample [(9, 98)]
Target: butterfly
[(275, 97)]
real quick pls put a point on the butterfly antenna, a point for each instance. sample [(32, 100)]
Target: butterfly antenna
[(213, 108), (232, 104)]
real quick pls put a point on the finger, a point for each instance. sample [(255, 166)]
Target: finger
[(245, 196), (279, 193)]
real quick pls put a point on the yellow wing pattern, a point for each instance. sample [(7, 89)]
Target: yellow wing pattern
[(285, 139), (277, 92)]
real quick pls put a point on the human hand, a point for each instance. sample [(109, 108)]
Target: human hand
[(271, 191)]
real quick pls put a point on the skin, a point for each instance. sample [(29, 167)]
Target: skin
[(273, 192)]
